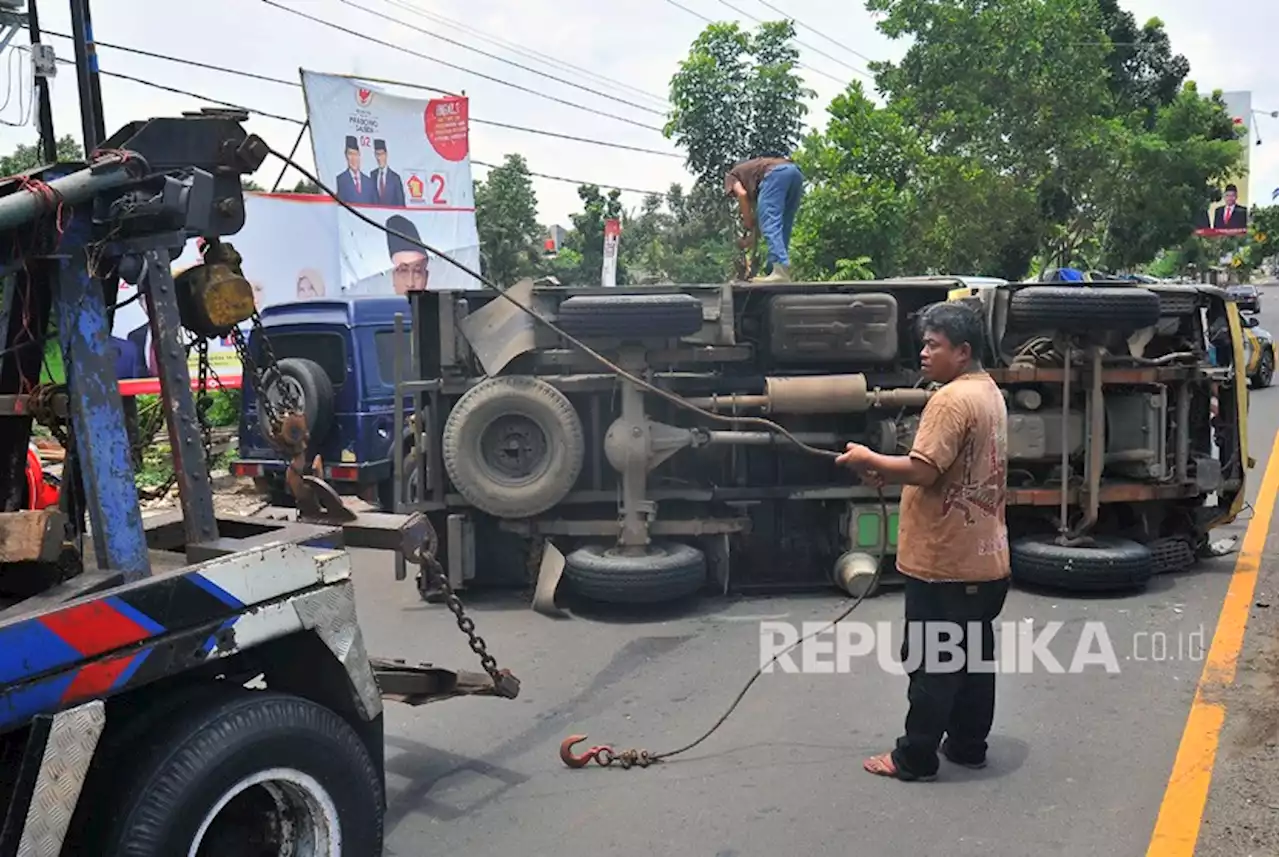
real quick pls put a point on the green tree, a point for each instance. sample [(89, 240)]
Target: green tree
[(1145, 74), (507, 221), (581, 259), (737, 95), (26, 157)]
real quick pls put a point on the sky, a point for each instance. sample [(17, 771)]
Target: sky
[(612, 48)]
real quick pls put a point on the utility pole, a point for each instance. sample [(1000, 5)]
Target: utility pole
[(91, 119), (48, 142)]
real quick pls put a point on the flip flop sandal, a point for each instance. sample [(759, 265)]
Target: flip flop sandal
[(883, 766)]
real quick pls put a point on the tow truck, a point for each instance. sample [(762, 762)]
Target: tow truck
[(195, 682)]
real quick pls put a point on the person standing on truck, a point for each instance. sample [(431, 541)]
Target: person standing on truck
[(953, 547), (769, 191)]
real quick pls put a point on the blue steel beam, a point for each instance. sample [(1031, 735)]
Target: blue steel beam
[(97, 418)]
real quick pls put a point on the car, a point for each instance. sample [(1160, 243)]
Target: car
[(340, 355), (1246, 297), (1259, 352)]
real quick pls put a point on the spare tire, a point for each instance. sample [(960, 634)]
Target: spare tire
[(312, 388), (1083, 309), (663, 316), (513, 447), (667, 571), (1108, 564)]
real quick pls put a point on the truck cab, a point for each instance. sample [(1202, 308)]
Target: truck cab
[(339, 356)]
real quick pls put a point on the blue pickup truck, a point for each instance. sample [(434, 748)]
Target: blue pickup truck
[(339, 356)]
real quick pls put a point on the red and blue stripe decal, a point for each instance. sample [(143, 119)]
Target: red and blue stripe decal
[(108, 638)]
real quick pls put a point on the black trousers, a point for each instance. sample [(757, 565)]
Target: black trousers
[(957, 703)]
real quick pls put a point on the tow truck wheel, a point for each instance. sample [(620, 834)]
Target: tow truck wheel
[(260, 773), (1106, 564), (667, 571)]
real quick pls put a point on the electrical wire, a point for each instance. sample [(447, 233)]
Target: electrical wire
[(684, 8), (517, 48), (805, 45), (385, 17), (579, 182), (299, 13), (637, 756), (769, 5), (296, 85)]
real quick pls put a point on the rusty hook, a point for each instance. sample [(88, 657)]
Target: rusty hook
[(575, 761)]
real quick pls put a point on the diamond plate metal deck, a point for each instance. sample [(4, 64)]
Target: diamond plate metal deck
[(72, 742)]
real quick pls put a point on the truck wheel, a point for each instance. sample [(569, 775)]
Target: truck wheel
[(1109, 564), (668, 571), (260, 772), (513, 447), (310, 386), (1083, 309), (631, 316)]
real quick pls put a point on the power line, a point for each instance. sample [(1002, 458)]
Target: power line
[(254, 111), (463, 69), (385, 17), (808, 68), (520, 49), (863, 56), (296, 85), (798, 42), (582, 182)]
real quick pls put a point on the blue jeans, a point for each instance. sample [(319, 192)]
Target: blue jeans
[(776, 207)]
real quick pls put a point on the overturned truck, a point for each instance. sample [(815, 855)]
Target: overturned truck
[(1127, 441)]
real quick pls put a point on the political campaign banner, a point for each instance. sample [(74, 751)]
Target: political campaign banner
[(1229, 215), (404, 163), (288, 254)]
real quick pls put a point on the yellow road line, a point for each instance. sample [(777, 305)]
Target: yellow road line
[(1178, 825)]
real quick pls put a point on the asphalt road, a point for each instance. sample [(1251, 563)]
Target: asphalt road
[(1080, 764)]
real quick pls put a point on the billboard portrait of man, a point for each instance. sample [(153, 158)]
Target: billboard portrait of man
[(1230, 215), (408, 260), (387, 189), (352, 185)]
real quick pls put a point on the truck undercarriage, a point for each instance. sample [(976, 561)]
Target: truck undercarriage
[(1126, 430)]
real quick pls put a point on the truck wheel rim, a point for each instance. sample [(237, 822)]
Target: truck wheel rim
[(280, 812), (514, 448)]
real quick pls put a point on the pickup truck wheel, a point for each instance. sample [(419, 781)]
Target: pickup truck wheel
[(1108, 564), (631, 316), (310, 385), (1083, 309), (259, 773), (513, 447), (667, 571)]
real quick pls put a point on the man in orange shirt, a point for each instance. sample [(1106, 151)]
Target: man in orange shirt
[(953, 545)]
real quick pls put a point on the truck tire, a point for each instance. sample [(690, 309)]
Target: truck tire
[(513, 447), (666, 316), (254, 767), (1110, 564), (669, 571), (1083, 309), (310, 383)]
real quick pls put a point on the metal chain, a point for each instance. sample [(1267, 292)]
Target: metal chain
[(425, 558)]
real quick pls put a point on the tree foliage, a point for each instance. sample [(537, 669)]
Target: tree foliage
[(507, 221), (26, 157), (736, 96)]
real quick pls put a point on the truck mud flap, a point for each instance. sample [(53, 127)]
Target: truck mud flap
[(549, 571)]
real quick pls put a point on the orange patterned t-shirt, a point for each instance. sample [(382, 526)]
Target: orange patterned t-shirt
[(954, 530)]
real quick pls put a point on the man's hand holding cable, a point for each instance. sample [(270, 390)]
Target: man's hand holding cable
[(877, 469)]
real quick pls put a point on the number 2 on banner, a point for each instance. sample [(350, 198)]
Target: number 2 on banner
[(437, 198)]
